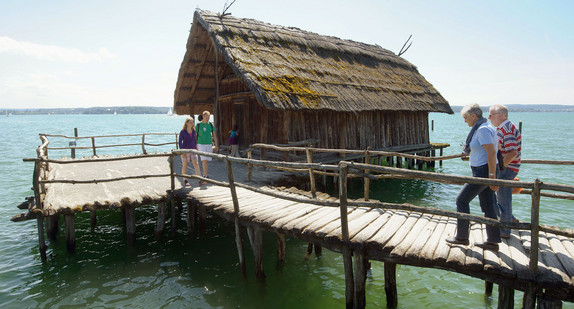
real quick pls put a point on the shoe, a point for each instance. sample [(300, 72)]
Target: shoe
[(202, 182), (186, 184), (487, 246), (505, 236), (457, 241)]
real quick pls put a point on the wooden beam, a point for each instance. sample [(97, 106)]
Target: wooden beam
[(70, 232), (131, 224)]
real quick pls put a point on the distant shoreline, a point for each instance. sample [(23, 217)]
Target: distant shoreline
[(165, 110), (87, 111)]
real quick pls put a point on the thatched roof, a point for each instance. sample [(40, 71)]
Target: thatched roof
[(291, 69)]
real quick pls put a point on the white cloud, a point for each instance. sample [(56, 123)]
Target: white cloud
[(51, 52)]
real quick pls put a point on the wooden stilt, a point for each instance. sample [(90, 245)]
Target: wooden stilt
[(70, 232), (160, 224), (239, 244), (179, 204), (399, 162), (173, 207), (201, 215), (52, 226), (349, 278), (280, 247), (318, 250), (545, 302), (505, 297), (131, 224), (391, 284), (256, 240), (190, 217), (360, 278), (93, 219), (529, 298), (488, 288), (309, 250), (41, 242)]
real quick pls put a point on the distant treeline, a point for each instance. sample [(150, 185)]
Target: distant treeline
[(89, 110), (528, 108)]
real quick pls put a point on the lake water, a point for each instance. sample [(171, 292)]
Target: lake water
[(203, 272)]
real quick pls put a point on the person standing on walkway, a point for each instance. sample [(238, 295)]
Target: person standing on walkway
[(188, 140), (205, 141), (480, 145), (234, 141), (510, 146)]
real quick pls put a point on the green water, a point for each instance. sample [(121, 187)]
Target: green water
[(202, 272)]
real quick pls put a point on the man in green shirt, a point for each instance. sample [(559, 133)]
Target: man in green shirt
[(205, 140)]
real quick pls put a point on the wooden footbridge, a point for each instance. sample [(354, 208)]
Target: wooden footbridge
[(538, 260)]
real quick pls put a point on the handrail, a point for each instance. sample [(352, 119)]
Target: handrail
[(94, 147)]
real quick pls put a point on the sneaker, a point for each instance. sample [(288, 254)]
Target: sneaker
[(186, 183), (457, 241), (487, 246), (202, 182)]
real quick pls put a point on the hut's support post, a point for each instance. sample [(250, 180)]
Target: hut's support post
[(360, 279), (399, 162), (311, 174), (160, 224), (505, 297), (280, 247), (529, 298), (545, 302), (535, 228), (347, 253), (256, 240), (70, 232), (440, 162), (391, 284), (190, 217), (131, 224), (366, 180), (420, 163), (52, 226), (41, 242), (488, 286), (93, 219)]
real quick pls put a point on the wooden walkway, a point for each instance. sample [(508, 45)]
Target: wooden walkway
[(391, 236), (403, 237)]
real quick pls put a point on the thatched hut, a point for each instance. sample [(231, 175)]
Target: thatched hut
[(283, 84)]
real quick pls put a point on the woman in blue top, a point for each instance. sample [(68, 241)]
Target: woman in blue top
[(481, 144), (188, 140)]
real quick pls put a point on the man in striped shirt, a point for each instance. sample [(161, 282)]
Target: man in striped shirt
[(509, 144)]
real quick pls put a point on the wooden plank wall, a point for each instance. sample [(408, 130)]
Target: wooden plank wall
[(377, 129)]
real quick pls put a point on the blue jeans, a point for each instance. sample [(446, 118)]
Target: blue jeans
[(486, 199), (503, 199)]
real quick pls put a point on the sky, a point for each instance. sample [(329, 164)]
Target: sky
[(56, 54)]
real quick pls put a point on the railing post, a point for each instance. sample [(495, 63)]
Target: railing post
[(311, 174), (171, 170), (94, 145), (347, 253), (535, 225), (249, 165), (366, 180), (143, 144), (238, 241)]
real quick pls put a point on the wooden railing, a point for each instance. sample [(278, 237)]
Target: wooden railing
[(141, 142), (346, 169)]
